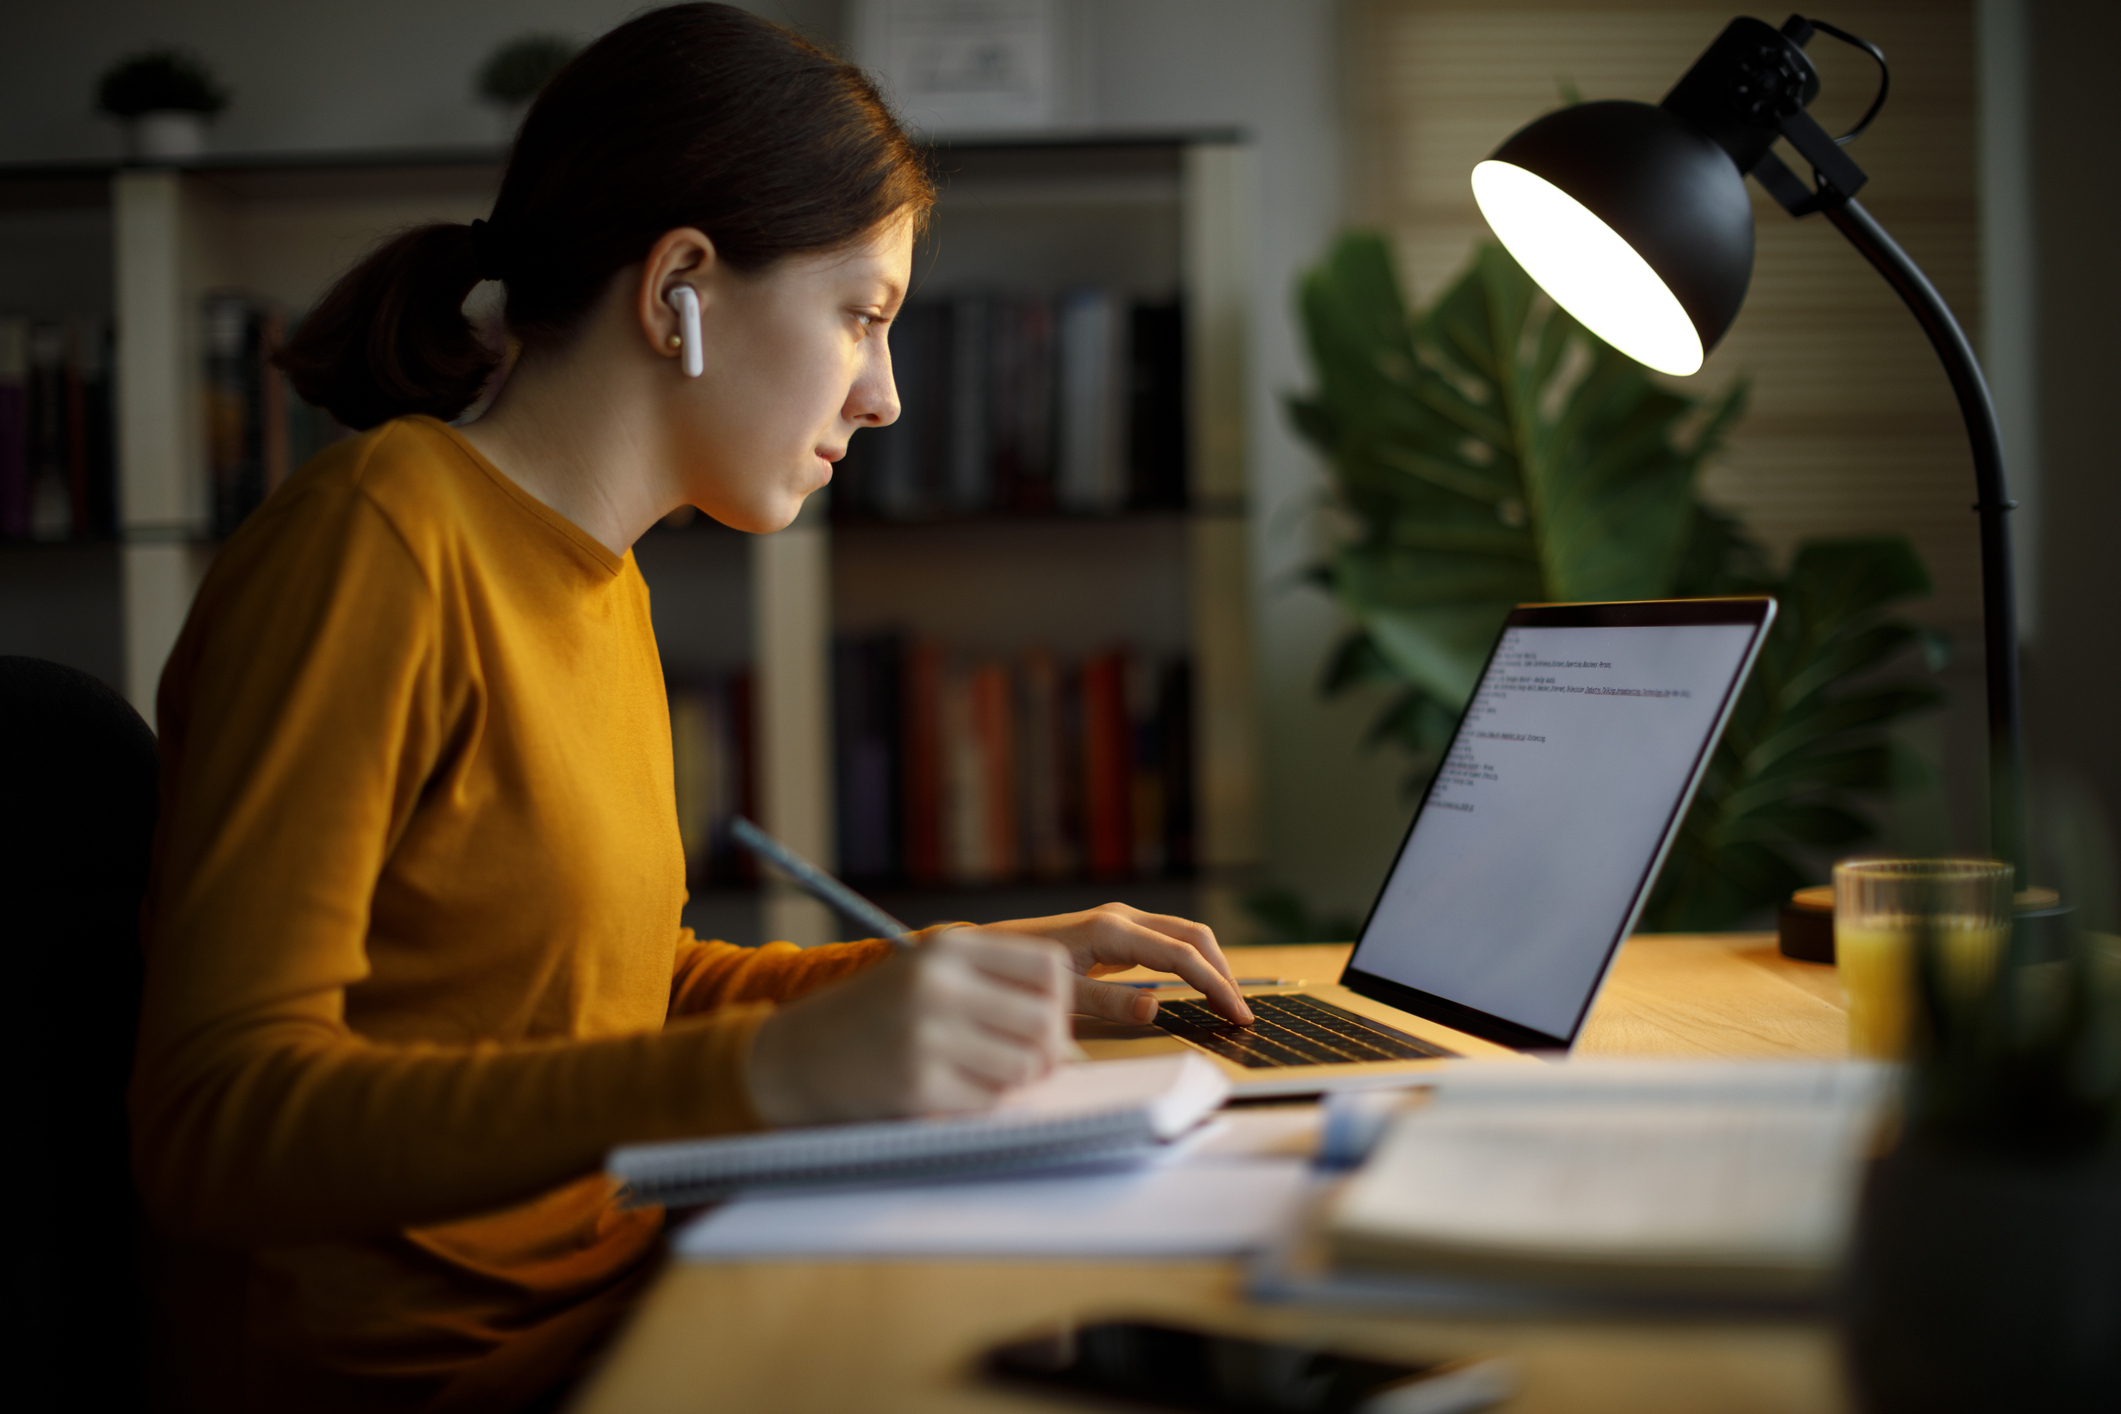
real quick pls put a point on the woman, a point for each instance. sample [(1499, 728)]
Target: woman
[(414, 958)]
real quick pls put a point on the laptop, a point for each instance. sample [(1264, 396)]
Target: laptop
[(1529, 860)]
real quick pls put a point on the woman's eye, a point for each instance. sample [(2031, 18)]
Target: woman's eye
[(868, 322)]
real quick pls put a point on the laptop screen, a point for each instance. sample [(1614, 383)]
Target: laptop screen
[(1543, 827)]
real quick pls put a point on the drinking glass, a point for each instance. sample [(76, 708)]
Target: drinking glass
[(1881, 905)]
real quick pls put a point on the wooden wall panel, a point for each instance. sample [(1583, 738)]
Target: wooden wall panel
[(1853, 427)]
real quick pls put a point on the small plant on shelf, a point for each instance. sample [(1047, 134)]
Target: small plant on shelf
[(164, 97), (518, 71), (1492, 451), (160, 81)]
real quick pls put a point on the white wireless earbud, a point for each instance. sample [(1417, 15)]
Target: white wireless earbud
[(686, 301)]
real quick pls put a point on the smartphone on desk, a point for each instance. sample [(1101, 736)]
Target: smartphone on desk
[(1172, 1367)]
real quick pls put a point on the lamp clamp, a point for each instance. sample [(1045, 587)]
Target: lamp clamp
[(1752, 86)]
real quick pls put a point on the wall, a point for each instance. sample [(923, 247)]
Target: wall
[(2073, 677), (306, 76)]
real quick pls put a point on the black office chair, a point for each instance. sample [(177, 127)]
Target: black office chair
[(77, 812)]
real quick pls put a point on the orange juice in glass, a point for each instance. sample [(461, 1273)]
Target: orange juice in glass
[(1881, 905)]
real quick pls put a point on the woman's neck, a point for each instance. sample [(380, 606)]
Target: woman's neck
[(571, 427)]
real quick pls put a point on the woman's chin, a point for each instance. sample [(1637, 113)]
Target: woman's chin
[(761, 519)]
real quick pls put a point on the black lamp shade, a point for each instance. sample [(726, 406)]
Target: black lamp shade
[(1669, 193)]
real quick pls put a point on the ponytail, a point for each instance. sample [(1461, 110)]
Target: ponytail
[(391, 338), (692, 115)]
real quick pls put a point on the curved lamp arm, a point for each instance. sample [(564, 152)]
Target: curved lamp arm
[(1999, 617)]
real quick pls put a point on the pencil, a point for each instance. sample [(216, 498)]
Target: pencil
[(818, 884)]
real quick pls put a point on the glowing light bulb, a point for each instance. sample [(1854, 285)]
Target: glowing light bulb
[(1587, 268)]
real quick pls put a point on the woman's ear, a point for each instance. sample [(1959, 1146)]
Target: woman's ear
[(684, 256)]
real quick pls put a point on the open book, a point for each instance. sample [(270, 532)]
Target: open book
[(1732, 1179), (1106, 1110)]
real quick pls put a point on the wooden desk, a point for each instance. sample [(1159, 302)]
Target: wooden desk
[(878, 1336)]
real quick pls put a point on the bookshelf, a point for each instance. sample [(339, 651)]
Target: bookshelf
[(1157, 215)]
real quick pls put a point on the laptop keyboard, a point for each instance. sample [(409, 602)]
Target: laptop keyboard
[(1292, 1029)]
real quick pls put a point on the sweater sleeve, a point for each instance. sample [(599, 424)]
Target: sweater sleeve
[(711, 975), (303, 718)]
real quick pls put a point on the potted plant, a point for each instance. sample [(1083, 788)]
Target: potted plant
[(1490, 451), (1985, 1271), (164, 97), (518, 71)]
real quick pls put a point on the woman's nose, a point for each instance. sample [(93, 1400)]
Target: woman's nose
[(873, 400)]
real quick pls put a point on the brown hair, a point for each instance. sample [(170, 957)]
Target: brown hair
[(694, 115)]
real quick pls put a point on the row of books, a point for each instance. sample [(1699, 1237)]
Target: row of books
[(961, 770), (58, 458), (958, 770), (1026, 405), (257, 429), (58, 443)]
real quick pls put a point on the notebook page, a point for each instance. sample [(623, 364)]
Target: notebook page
[(1080, 1111), (1626, 1161)]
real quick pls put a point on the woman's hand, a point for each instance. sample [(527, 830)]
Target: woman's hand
[(1113, 937), (945, 1027)]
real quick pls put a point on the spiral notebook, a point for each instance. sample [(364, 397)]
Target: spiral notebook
[(1101, 1111)]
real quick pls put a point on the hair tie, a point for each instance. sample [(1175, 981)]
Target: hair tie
[(486, 250)]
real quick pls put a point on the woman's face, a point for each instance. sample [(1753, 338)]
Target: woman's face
[(796, 363)]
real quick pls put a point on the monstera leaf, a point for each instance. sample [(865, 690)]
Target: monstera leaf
[(1807, 739), (1492, 452)]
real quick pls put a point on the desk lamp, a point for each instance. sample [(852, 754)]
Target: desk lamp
[(1634, 218)]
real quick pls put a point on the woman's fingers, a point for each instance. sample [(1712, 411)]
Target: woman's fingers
[(991, 1059), (1114, 937), (944, 1029), (1034, 964), (1113, 1001), (1155, 950), (1198, 936)]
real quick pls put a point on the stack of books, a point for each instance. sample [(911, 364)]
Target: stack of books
[(1613, 1183), (257, 429), (1025, 405), (961, 770), (58, 462)]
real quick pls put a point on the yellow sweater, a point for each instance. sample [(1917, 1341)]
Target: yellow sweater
[(413, 953)]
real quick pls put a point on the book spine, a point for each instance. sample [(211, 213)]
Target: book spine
[(922, 734), (1107, 766), (101, 454), (994, 730), (1156, 410), (970, 452), (1145, 793), (50, 506), (965, 797), (1046, 850), (227, 327), (865, 705), (74, 385), (1041, 437), (14, 429), (1088, 475), (1175, 710)]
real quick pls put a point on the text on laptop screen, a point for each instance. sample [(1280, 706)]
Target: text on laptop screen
[(1526, 858)]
